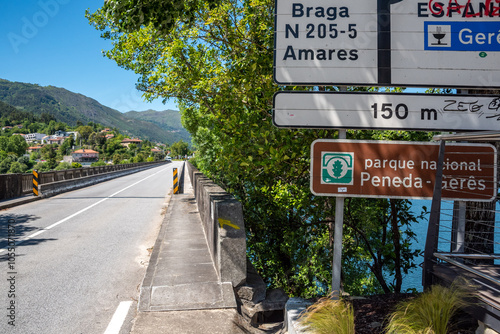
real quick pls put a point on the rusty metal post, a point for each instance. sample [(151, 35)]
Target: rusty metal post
[(434, 218)]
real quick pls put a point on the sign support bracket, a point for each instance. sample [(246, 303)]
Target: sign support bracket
[(434, 219), (384, 42), (338, 233)]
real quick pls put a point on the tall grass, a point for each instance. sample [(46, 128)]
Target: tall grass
[(328, 316), (431, 312)]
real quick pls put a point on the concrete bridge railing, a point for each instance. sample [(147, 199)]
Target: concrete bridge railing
[(222, 218)]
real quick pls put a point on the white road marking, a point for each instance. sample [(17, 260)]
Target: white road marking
[(79, 212), (118, 318)]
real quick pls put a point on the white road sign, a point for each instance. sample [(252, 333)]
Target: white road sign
[(388, 42), (386, 111), (321, 40)]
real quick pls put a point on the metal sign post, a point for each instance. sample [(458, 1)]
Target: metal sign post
[(338, 235), (387, 43)]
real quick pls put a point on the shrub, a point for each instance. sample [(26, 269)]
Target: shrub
[(329, 316), (42, 167), (63, 166), (18, 167), (98, 163), (431, 312)]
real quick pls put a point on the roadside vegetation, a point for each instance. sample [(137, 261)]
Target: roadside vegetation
[(432, 311), (439, 310), (329, 316)]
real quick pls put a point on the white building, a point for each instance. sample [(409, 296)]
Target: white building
[(31, 137), (60, 133)]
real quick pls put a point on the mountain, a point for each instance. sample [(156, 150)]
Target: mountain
[(69, 107), (168, 120), (6, 109)]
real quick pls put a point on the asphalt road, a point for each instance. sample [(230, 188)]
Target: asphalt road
[(80, 255)]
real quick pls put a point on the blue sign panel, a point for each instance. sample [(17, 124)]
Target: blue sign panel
[(462, 36)]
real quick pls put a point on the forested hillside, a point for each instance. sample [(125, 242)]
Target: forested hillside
[(168, 120)]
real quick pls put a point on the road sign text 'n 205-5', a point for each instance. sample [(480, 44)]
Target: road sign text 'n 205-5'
[(402, 170)]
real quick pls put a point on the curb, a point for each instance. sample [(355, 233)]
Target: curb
[(294, 308), (18, 201), (146, 286)]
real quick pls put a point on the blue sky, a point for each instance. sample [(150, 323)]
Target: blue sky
[(50, 42)]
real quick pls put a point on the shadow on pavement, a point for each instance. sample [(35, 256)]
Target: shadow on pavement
[(16, 227)]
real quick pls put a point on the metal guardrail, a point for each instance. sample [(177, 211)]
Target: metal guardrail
[(16, 185), (447, 258)]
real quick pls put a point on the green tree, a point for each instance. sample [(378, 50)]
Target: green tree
[(51, 128), (26, 161), (63, 166), (100, 139), (98, 163), (132, 147), (116, 159), (97, 139), (84, 131), (35, 155), (157, 156), (180, 148), (131, 15), (380, 238), (17, 167), (4, 142), (47, 118), (66, 146), (6, 162), (139, 157), (49, 154), (34, 127), (13, 144), (113, 147), (43, 167)]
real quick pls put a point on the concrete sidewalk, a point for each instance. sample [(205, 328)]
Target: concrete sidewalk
[(181, 292)]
